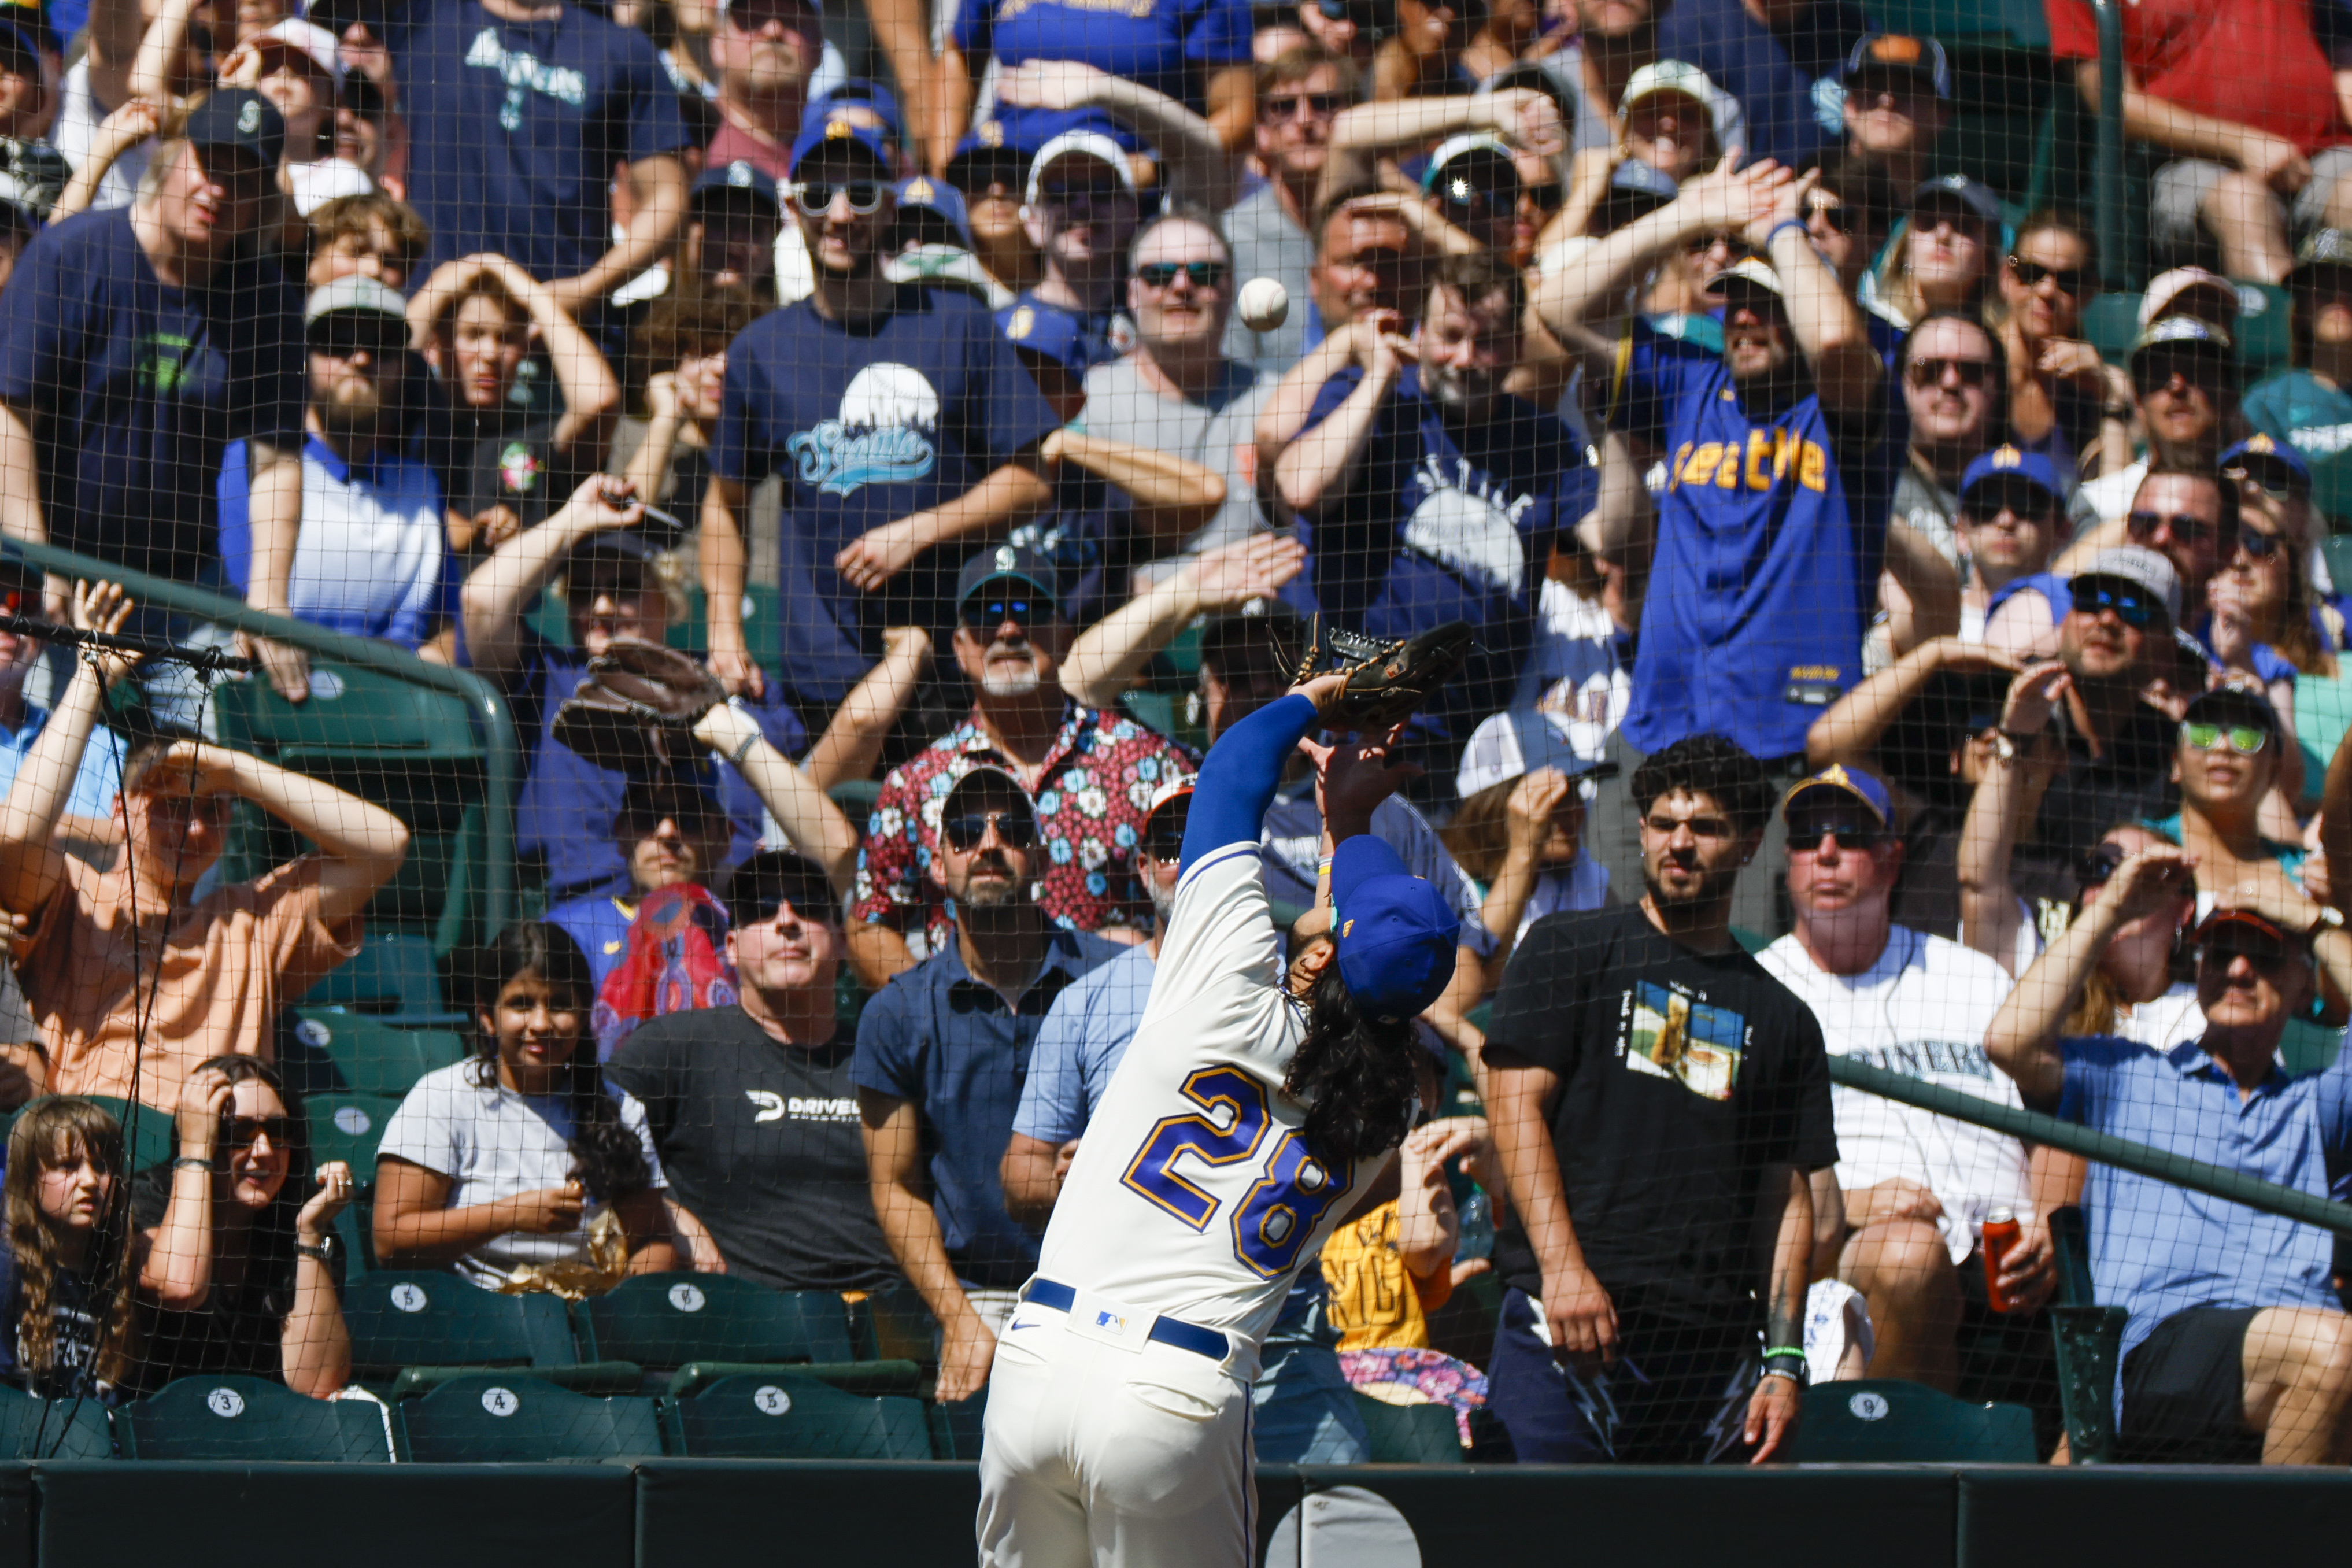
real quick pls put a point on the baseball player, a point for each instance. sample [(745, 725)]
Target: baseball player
[(1251, 1115)]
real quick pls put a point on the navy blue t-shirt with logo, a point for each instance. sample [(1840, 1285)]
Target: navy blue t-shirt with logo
[(1445, 521), (132, 388), (1770, 532), (514, 128), (1786, 78), (868, 422), (1170, 46)]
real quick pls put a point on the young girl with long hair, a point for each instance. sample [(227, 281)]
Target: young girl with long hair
[(66, 1293)]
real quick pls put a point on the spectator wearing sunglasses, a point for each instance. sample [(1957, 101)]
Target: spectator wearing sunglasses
[(2064, 401), (1952, 370), (1089, 774), (2230, 756), (2237, 1347), (734, 213), (899, 419), (1176, 391), (1300, 94), (372, 557), (1914, 1188), (2012, 512), (1782, 63), (1081, 215), (942, 1054), (1896, 98), (1192, 166), (2185, 397), (2268, 581), (1943, 261), (1520, 117), (764, 53), (2309, 403)]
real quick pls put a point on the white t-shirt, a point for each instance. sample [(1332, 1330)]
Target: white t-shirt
[(79, 116), (497, 1144), (2165, 1022), (1922, 1010), (1573, 674)]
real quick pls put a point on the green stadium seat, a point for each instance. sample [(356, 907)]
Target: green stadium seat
[(664, 1320), (956, 1429), (393, 974), (416, 1318), (2020, 22), (779, 1416), (409, 749), (2110, 322), (2263, 335), (1887, 1421), (499, 1418), (347, 1127), (856, 797), (1411, 1434), (229, 1416), (2087, 1338), (34, 1428), (1155, 710), (867, 1379), (326, 1052), (2322, 714)]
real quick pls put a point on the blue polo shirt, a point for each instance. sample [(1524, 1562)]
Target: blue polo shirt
[(1083, 1041), (938, 1037), (2157, 1249)]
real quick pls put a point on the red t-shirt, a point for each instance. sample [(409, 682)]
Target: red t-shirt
[(732, 145), (2253, 62)]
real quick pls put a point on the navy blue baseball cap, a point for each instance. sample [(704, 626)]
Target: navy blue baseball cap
[(863, 94), (942, 202), (1904, 54), (1395, 934), (1849, 784), (238, 117), (1053, 335), (2269, 462), (997, 563), (740, 174), (2010, 464), (833, 130)]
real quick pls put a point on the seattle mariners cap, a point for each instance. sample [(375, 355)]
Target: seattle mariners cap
[(1512, 743), (1851, 783), (2181, 333), (2165, 291), (239, 117), (1482, 160), (1973, 194), (1053, 335), (860, 93), (2144, 568), (999, 562), (1902, 53), (739, 174), (2271, 464), (2322, 249), (836, 130), (1078, 145), (1724, 115), (1395, 932), (929, 205), (1752, 271), (2007, 463)]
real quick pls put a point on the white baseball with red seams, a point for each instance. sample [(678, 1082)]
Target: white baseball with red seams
[(1264, 304)]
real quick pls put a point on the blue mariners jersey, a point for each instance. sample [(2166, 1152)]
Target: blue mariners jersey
[(1771, 526)]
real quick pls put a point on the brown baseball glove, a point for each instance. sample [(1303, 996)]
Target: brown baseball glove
[(1388, 678), (638, 707)]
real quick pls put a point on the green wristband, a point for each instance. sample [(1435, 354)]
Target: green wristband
[(1774, 1351)]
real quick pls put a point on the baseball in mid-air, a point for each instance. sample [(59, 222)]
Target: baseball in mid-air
[(1265, 304)]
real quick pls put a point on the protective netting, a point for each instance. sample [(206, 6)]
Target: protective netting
[(1887, 828)]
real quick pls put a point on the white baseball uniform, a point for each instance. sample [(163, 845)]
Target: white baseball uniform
[(1193, 1199)]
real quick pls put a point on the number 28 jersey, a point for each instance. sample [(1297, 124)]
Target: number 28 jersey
[(1193, 1194)]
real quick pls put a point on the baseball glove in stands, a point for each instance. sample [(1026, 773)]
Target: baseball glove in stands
[(638, 707), (1388, 678)]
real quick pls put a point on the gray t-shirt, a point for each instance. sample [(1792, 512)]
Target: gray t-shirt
[(1566, 68), (1267, 244), (1213, 431)]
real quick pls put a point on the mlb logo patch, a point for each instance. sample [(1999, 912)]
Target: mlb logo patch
[(1111, 1320)]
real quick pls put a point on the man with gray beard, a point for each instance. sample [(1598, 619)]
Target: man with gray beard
[(1430, 494), (1090, 776)]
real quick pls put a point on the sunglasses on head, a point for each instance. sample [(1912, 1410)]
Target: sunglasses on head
[(2029, 274), (2142, 526), (1290, 106), (963, 832), (2245, 740), (2131, 606), (815, 197), (1160, 274), (1849, 831), (1931, 372), (244, 1131)]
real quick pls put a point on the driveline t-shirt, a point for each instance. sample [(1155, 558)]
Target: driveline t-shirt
[(759, 1141), (869, 422), (1770, 530), (1683, 1075), (132, 388)]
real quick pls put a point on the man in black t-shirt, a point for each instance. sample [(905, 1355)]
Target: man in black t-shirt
[(751, 1107), (1658, 1101)]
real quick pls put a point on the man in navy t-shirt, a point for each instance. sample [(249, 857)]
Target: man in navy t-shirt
[(1772, 522), (900, 419), (518, 113), (1431, 496), (1081, 216), (136, 344), (1783, 59)]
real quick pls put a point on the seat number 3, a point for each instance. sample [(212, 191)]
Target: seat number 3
[(1282, 1207)]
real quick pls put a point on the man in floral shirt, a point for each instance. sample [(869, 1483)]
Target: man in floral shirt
[(1091, 776)]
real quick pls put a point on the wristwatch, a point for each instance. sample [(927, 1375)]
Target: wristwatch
[(2329, 917), (329, 1247)]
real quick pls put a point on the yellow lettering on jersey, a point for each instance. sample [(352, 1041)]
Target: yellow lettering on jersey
[(1702, 464), (1812, 468), (1675, 470), (1728, 477), (1783, 451), (1761, 444)]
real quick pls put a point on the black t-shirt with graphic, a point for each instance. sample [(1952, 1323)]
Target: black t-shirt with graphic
[(759, 1141), (74, 1331), (1683, 1075)]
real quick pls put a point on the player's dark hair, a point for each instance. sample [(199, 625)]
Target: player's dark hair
[(1996, 418), (609, 1161), (2159, 468), (1353, 1075), (1711, 765), (1474, 278)]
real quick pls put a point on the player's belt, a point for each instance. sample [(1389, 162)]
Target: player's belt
[(1184, 1336)]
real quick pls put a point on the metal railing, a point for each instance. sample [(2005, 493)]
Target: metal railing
[(502, 758)]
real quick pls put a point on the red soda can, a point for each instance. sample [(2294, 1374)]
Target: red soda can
[(2001, 1234)]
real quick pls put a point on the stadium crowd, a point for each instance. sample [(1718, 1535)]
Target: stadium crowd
[(1866, 665)]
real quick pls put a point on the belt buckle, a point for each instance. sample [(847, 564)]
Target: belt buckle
[(1099, 1318)]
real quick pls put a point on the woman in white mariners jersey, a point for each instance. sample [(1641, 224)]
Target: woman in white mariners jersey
[(1248, 1120)]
